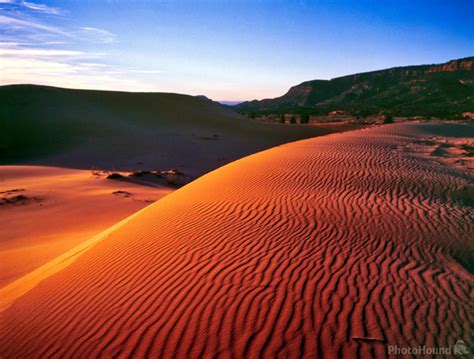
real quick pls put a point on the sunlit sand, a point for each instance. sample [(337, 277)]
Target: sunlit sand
[(339, 244)]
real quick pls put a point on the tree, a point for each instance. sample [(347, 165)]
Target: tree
[(305, 118), (388, 118), (292, 119)]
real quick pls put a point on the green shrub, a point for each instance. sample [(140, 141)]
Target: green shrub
[(388, 119), (305, 118)]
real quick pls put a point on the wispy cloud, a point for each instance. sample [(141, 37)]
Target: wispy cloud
[(7, 44), (40, 7), (135, 71), (54, 73), (38, 46), (66, 68), (33, 6), (13, 23), (9, 51), (25, 25), (98, 35)]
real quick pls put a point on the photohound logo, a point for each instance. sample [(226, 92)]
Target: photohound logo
[(460, 348)]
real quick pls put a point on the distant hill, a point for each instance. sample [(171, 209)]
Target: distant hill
[(128, 131), (428, 90)]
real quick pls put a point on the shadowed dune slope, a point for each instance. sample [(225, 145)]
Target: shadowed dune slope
[(120, 130), (333, 246)]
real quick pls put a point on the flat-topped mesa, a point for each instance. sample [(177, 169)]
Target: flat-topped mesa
[(443, 90), (454, 65), (299, 94)]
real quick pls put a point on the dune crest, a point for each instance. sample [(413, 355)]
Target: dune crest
[(334, 246)]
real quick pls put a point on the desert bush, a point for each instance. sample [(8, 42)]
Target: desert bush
[(305, 118), (388, 118)]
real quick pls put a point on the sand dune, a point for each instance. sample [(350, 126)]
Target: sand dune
[(87, 129), (333, 246), (46, 211)]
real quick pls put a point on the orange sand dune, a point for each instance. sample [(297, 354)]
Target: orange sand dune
[(334, 246), (45, 211)]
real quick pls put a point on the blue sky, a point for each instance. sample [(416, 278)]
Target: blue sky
[(226, 50)]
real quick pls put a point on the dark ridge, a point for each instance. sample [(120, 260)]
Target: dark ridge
[(124, 131)]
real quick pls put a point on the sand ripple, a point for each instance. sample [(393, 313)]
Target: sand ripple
[(328, 247)]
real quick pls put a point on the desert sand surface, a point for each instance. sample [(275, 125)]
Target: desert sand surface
[(46, 211), (335, 246), (132, 131)]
